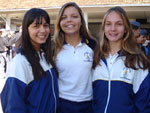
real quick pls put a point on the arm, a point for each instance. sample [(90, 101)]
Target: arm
[(15, 38), (142, 97), (13, 96)]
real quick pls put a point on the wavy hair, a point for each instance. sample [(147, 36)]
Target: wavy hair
[(59, 36), (133, 53)]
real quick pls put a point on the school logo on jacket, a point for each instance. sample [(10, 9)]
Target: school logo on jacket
[(88, 57), (126, 73)]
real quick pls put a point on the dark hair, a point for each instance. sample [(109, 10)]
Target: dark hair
[(35, 14)]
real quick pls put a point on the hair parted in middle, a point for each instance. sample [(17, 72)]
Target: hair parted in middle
[(129, 46), (59, 36)]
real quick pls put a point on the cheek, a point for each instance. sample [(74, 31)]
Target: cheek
[(122, 31), (48, 30), (61, 25), (106, 30), (79, 23), (62, 22), (31, 32)]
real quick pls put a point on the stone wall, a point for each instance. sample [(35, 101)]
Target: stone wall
[(19, 4)]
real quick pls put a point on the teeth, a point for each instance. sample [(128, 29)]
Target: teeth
[(113, 34), (70, 26), (41, 36)]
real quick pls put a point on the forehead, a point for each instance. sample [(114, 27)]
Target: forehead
[(70, 10), (113, 16), (39, 20)]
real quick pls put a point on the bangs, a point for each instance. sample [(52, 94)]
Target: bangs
[(37, 16), (38, 20)]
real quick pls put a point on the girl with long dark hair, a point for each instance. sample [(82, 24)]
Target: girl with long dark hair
[(31, 85)]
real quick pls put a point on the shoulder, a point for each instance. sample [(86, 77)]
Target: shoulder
[(20, 68), (19, 59), (92, 43)]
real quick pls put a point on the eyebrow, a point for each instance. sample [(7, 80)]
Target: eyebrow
[(115, 21)]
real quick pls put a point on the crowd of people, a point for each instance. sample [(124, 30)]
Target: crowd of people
[(8, 45), (142, 37), (73, 72)]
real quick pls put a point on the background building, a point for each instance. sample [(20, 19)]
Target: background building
[(12, 11)]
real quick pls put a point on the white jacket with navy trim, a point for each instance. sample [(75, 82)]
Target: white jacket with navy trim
[(23, 94), (120, 89)]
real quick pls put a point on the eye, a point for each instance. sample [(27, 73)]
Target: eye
[(75, 16), (107, 23), (46, 25), (35, 25), (119, 23), (63, 17)]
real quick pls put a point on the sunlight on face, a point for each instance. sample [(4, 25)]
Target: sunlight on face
[(38, 33), (70, 21), (114, 27)]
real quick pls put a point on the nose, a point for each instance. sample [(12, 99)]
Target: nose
[(68, 18), (42, 29), (113, 27)]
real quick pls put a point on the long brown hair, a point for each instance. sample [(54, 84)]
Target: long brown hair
[(59, 36), (133, 53)]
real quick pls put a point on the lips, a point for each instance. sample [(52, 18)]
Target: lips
[(41, 36), (113, 34), (70, 26)]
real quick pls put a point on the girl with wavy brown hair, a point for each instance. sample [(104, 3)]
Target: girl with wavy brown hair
[(121, 78), (73, 53)]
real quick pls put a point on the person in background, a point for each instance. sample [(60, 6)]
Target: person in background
[(4, 41), (7, 40), (31, 85), (135, 28), (148, 45), (140, 35), (121, 77), (148, 38), (73, 53), (142, 42), (17, 41)]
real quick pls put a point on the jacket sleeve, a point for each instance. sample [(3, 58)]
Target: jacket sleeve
[(142, 97), (13, 96)]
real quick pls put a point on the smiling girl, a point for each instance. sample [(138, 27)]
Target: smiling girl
[(31, 85), (73, 56), (121, 79)]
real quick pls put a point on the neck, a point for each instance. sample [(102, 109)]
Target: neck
[(114, 48), (73, 40)]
